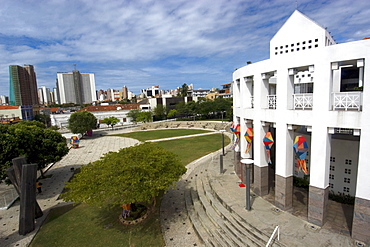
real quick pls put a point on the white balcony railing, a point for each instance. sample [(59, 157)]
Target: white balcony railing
[(303, 101), (347, 101), (271, 100)]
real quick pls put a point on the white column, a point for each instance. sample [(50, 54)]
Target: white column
[(320, 156), (284, 150)]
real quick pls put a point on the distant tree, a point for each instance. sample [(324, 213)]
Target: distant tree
[(133, 174), (80, 122), (110, 121), (124, 101), (38, 144), (133, 114), (172, 113), (45, 119), (184, 90), (181, 109), (159, 112), (145, 116)]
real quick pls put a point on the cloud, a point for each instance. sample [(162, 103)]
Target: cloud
[(145, 42)]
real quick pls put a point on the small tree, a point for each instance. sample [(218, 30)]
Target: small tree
[(133, 114), (133, 174), (172, 113), (144, 116), (38, 144), (159, 112), (80, 122), (110, 121)]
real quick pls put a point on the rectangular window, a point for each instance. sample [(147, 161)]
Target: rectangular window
[(348, 162), (332, 159)]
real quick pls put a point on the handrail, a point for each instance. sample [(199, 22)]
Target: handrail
[(273, 234)]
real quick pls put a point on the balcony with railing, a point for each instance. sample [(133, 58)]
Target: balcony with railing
[(271, 101), (347, 101), (303, 101)]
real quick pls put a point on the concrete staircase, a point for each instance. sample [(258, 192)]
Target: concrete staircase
[(216, 222)]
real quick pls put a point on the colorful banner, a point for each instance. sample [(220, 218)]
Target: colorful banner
[(249, 138), (268, 141), (235, 128), (300, 147)]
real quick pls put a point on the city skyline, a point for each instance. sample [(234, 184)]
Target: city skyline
[(139, 44)]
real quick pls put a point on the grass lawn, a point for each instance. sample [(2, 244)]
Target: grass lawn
[(158, 134), (190, 149), (84, 225)]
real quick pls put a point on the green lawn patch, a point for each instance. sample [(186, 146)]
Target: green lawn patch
[(159, 134), (192, 148), (84, 225)]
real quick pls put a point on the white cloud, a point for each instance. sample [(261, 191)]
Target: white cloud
[(145, 42)]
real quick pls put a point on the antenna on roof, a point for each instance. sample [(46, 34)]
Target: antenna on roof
[(296, 4), (74, 66)]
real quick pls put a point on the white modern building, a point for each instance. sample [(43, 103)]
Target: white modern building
[(76, 87), (315, 88), (44, 95)]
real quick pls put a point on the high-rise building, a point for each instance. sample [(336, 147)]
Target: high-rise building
[(22, 85), (44, 95), (76, 87), (124, 92)]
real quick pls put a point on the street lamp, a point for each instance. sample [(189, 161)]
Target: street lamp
[(247, 163), (223, 142)]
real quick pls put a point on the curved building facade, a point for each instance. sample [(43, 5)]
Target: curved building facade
[(313, 88)]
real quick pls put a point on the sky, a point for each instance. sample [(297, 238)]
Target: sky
[(142, 43)]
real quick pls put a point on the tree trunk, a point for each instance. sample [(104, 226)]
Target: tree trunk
[(154, 203)]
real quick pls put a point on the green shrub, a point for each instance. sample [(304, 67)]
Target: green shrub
[(342, 198), (301, 182)]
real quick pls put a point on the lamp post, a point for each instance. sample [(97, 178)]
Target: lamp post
[(247, 163), (223, 142)]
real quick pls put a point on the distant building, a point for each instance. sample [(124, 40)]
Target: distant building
[(4, 100), (124, 92), (76, 87), (199, 92), (100, 112), (151, 92), (44, 95), (22, 85), (226, 91)]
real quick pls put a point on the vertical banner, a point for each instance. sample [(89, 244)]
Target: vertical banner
[(268, 141), (300, 147), (249, 138), (235, 128)]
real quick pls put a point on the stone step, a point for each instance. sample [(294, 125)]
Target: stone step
[(218, 193), (198, 227), (220, 233), (240, 234), (213, 232)]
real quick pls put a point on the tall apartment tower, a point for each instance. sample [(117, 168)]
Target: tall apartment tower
[(124, 92), (76, 87), (22, 85), (44, 95)]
